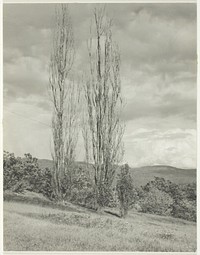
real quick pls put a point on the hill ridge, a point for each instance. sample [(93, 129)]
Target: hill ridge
[(142, 175)]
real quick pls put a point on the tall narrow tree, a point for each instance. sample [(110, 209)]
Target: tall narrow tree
[(62, 92), (103, 100)]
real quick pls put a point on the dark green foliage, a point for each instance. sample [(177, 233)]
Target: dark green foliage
[(46, 183), (106, 196), (24, 174), (124, 190), (12, 173), (163, 197), (156, 201), (184, 205), (184, 209), (158, 196), (82, 189), (77, 187)]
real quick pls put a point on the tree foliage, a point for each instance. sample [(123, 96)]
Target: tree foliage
[(125, 190), (164, 197), (22, 174), (157, 202)]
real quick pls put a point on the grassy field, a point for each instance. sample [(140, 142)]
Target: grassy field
[(31, 227)]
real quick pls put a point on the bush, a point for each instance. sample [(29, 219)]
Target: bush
[(45, 183), (12, 172), (106, 196), (124, 190), (163, 197), (78, 188), (24, 174), (157, 202), (184, 205), (184, 209)]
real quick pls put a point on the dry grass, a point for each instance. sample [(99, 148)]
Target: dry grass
[(33, 227)]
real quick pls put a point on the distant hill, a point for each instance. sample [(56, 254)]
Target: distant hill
[(142, 175), (43, 163)]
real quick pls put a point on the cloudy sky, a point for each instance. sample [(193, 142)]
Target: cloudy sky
[(158, 74)]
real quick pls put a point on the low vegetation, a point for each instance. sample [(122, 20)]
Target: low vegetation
[(163, 197), (124, 190), (158, 196), (21, 174)]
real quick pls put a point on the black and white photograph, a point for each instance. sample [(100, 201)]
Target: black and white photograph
[(100, 127)]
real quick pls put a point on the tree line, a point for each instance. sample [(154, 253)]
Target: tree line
[(158, 196)]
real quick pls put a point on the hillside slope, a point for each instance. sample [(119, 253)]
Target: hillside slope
[(31, 227), (142, 175)]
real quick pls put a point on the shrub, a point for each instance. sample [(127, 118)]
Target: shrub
[(163, 197), (12, 172), (45, 183), (124, 190), (24, 174), (157, 202), (77, 187), (184, 209), (184, 205), (106, 197)]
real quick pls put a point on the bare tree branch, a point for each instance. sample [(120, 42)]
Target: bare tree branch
[(103, 102), (64, 96)]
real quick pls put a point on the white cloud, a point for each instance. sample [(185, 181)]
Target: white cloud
[(174, 147)]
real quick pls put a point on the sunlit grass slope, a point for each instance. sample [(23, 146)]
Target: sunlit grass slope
[(31, 227)]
